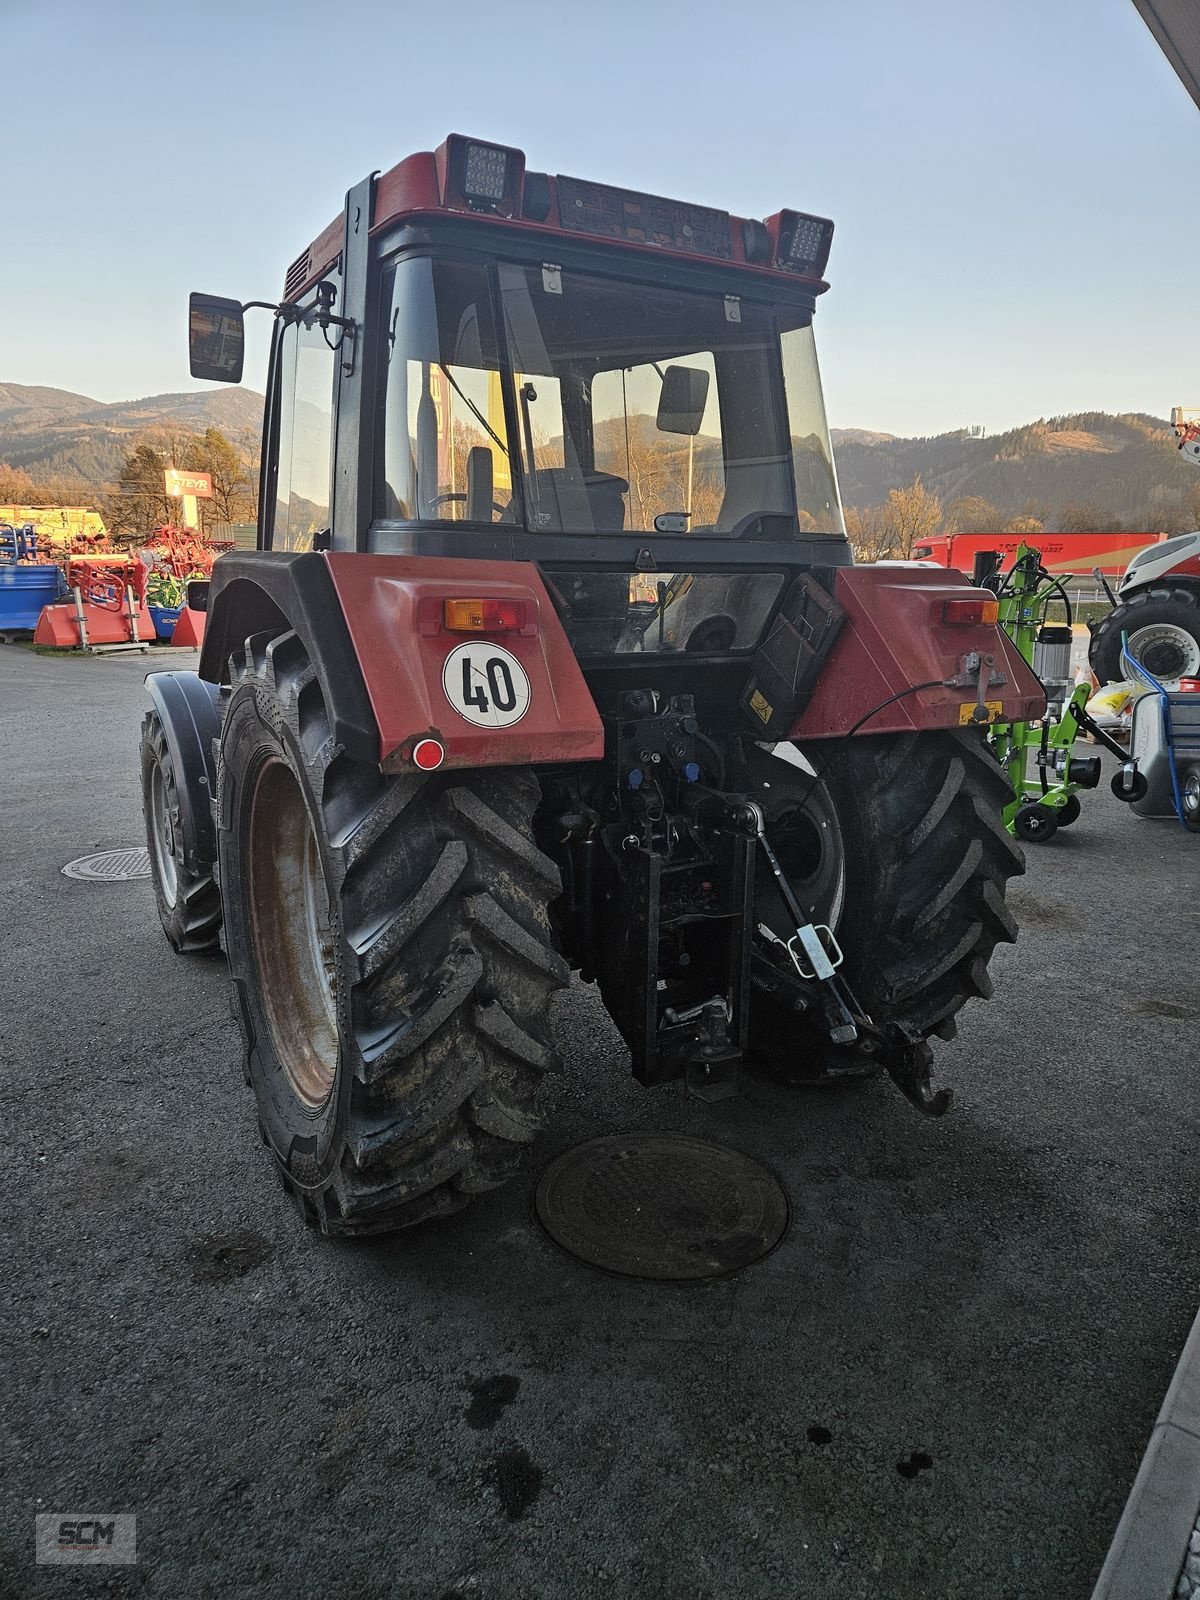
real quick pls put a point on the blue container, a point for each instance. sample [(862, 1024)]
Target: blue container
[(23, 593), (165, 618)]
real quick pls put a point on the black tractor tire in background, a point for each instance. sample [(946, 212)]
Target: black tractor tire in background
[(1173, 606), (389, 945), (927, 857), (189, 904)]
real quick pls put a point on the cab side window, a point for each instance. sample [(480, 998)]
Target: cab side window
[(307, 371)]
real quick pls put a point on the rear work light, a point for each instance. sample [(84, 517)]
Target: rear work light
[(804, 243), (481, 177), (484, 616), (965, 612), (486, 172)]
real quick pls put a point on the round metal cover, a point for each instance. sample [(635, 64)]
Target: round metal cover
[(661, 1205), (111, 866)]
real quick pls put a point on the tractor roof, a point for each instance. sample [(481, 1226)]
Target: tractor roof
[(489, 183)]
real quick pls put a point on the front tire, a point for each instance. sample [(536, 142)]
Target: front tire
[(927, 857), (189, 904), (389, 944), (1163, 625)]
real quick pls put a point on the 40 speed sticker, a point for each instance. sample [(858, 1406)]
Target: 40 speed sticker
[(486, 685)]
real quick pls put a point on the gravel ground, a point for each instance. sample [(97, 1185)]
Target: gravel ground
[(940, 1385)]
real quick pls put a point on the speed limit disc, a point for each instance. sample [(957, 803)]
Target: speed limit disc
[(486, 684)]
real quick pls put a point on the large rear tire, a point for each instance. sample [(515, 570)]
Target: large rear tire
[(926, 859), (389, 944), (1163, 625), (189, 904)]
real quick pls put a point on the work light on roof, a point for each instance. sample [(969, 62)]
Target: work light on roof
[(804, 243), (486, 172)]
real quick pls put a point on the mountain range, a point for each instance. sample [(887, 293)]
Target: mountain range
[(55, 434), (1125, 466)]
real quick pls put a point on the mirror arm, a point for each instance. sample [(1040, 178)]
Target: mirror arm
[(320, 315)]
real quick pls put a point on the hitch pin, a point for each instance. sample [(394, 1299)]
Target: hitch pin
[(824, 961)]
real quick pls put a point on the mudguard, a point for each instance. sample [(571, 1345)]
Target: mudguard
[(373, 628), (894, 635), (426, 682), (189, 710)]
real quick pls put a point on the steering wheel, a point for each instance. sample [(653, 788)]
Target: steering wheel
[(441, 499)]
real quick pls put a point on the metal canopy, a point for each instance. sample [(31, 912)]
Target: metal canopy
[(1176, 26)]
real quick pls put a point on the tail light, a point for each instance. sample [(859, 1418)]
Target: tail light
[(963, 613), (484, 616)]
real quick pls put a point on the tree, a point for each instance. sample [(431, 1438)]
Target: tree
[(140, 503), (1026, 526), (1088, 519), (235, 493), (972, 514), (867, 530), (16, 486), (911, 514)]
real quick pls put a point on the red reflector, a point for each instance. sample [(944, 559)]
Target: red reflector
[(485, 616), (965, 611), (428, 754)]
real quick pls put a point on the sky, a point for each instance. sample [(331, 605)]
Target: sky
[(1012, 181)]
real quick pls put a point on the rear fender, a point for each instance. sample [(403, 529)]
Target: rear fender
[(372, 628), (393, 606), (894, 636), (189, 709)]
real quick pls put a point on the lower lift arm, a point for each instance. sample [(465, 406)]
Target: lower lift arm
[(906, 1060)]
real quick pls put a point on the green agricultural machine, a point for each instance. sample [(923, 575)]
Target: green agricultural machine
[(1045, 773)]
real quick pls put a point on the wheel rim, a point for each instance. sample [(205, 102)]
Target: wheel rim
[(808, 843), (1191, 795), (292, 934), (1167, 651), (162, 833)]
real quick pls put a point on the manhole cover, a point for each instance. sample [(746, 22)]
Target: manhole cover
[(111, 866), (661, 1205)]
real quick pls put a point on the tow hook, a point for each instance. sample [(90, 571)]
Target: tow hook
[(907, 1064)]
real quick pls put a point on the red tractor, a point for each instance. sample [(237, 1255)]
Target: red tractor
[(553, 656)]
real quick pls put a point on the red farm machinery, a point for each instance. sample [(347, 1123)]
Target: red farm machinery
[(553, 657)]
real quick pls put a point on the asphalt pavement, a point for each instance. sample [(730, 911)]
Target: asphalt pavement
[(940, 1385)]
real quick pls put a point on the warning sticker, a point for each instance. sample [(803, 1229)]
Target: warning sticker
[(990, 711), (486, 684)]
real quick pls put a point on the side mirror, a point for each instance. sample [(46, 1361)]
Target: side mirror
[(682, 400), (216, 338), (196, 594)]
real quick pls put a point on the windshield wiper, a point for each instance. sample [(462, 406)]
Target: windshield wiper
[(479, 416)]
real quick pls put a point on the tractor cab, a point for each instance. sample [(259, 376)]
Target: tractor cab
[(619, 387)]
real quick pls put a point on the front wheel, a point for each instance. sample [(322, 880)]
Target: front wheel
[(1163, 626), (389, 945), (189, 905), (901, 848)]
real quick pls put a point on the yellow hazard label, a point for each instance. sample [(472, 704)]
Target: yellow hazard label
[(760, 706), (975, 713)]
